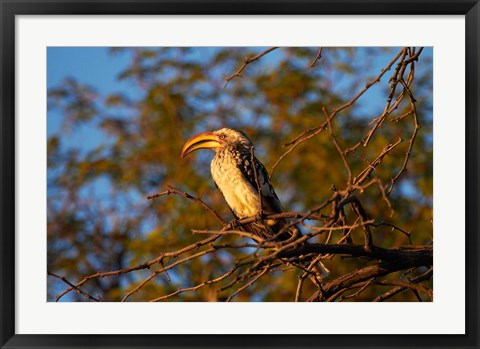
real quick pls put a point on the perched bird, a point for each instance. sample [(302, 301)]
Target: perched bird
[(238, 175)]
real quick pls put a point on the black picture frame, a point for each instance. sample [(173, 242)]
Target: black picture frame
[(11, 8)]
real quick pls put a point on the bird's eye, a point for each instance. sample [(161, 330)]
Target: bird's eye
[(222, 137)]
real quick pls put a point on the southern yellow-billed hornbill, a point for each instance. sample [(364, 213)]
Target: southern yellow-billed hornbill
[(238, 178)]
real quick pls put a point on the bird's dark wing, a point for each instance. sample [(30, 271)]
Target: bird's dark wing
[(271, 203)]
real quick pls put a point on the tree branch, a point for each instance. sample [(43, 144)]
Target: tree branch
[(247, 62)]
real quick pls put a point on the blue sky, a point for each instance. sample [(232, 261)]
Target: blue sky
[(92, 65)]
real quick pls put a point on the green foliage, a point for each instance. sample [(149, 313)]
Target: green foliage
[(99, 218)]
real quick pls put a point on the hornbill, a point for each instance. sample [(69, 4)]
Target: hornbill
[(238, 175)]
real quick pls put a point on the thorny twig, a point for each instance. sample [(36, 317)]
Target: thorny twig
[(173, 190), (247, 62), (309, 133), (317, 57), (78, 290)]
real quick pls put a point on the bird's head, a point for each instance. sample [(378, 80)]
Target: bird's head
[(217, 140)]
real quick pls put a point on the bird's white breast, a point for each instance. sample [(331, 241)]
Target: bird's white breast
[(238, 192)]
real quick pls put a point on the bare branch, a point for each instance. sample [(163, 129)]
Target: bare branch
[(247, 62), (145, 265), (425, 276), (410, 142), (83, 293), (248, 284), (173, 190), (318, 56), (309, 133), (161, 270)]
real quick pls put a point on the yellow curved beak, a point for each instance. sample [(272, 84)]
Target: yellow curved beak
[(200, 141)]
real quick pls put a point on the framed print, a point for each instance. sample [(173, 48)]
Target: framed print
[(199, 174)]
